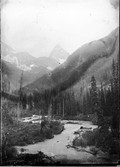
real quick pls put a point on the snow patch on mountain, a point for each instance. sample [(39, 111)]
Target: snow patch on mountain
[(33, 65), (50, 68), (24, 67), (14, 60), (11, 59)]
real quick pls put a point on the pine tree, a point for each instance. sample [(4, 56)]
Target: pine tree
[(96, 102), (21, 83), (30, 101), (84, 104), (102, 98), (108, 102)]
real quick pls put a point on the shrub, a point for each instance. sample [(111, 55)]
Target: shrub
[(54, 123), (43, 123), (56, 127), (79, 117), (79, 141), (47, 132), (7, 150), (6, 117), (89, 136)]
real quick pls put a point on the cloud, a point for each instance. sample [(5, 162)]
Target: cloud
[(115, 3)]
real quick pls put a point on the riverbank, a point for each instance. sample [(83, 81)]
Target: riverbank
[(58, 147), (22, 134), (33, 139)]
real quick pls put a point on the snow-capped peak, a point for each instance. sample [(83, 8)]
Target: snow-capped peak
[(59, 54)]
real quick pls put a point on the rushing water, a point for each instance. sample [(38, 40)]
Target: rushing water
[(56, 146)]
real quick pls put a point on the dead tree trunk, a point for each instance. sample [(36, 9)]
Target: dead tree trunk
[(63, 109)]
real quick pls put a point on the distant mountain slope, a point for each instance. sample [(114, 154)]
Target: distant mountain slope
[(24, 58), (92, 58), (33, 68), (25, 61), (47, 62), (13, 74)]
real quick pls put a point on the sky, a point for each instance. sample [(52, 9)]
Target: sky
[(37, 26)]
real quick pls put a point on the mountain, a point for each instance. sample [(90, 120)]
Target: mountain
[(13, 74), (59, 54), (24, 58), (13, 63), (94, 58), (26, 62)]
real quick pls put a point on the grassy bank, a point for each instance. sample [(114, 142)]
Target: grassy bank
[(16, 133), (22, 133)]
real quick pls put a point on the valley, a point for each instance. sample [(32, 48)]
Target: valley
[(61, 112)]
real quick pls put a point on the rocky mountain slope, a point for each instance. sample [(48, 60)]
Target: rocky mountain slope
[(94, 58)]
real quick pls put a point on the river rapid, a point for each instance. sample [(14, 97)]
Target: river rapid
[(57, 146)]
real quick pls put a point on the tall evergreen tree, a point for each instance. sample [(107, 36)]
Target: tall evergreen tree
[(95, 102), (30, 101), (102, 98)]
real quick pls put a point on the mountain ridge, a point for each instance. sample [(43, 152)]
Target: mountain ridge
[(72, 66)]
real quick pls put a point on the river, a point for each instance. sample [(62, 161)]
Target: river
[(56, 147)]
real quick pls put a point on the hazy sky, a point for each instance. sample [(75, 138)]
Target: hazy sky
[(37, 26)]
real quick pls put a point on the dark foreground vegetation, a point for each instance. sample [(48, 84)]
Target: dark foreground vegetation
[(27, 159), (16, 133)]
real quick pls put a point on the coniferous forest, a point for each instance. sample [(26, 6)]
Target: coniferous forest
[(103, 101)]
